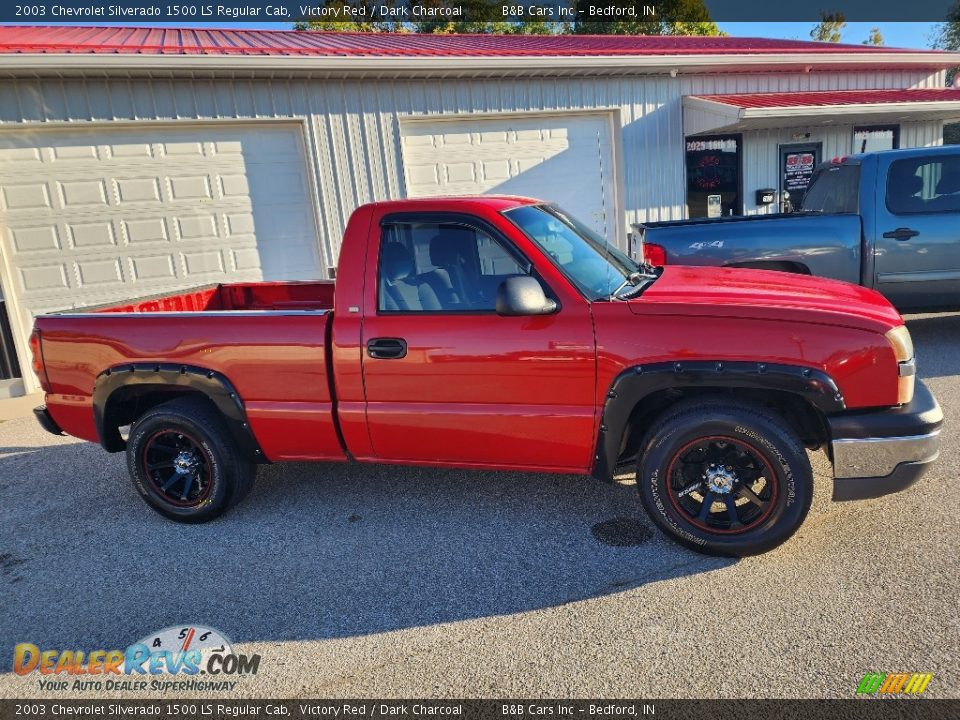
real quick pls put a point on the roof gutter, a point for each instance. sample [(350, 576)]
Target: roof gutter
[(67, 63), (736, 113), (715, 116)]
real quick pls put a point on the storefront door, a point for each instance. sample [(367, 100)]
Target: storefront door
[(797, 163)]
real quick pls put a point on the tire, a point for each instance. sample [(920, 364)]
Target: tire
[(728, 450), (185, 463)]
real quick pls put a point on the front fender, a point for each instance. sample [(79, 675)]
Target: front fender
[(635, 383)]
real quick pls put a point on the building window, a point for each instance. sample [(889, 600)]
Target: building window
[(714, 172), (876, 137)]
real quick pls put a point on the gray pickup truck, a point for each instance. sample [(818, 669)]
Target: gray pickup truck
[(886, 220)]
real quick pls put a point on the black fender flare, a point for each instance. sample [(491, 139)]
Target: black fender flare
[(211, 384), (635, 383)]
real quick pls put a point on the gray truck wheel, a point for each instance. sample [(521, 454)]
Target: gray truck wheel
[(184, 462), (724, 477)]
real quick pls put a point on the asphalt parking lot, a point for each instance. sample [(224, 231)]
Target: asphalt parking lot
[(402, 582)]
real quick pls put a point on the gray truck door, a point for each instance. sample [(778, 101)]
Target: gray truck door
[(917, 246)]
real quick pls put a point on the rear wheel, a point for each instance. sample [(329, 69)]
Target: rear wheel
[(724, 477), (185, 463)]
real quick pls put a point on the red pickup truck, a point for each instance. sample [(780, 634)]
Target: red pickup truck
[(498, 332)]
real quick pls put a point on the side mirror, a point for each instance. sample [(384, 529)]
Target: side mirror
[(523, 295)]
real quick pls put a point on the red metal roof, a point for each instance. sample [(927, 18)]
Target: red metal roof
[(836, 97), (203, 41)]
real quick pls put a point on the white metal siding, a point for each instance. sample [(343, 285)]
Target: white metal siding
[(355, 125), (567, 159)]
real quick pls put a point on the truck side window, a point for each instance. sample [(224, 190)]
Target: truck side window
[(833, 189), (441, 267), (924, 185)]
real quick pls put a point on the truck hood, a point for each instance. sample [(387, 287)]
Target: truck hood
[(765, 294)]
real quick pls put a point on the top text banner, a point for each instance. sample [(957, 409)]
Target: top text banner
[(571, 12)]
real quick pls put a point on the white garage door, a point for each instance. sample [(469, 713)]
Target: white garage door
[(564, 159), (111, 214)]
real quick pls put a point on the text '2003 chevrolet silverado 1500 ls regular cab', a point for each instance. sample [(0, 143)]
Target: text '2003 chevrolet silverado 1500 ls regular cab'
[(499, 332)]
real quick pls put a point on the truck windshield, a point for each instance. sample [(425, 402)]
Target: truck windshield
[(596, 267), (833, 189)]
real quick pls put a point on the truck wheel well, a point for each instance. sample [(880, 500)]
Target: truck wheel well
[(804, 419), (781, 265), (128, 403), (123, 393)]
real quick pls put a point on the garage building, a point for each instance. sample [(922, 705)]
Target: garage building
[(136, 161)]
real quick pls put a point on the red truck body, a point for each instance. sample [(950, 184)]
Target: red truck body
[(482, 389)]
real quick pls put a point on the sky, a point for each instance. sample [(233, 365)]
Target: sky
[(895, 34)]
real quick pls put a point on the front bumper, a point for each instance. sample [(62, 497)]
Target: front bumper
[(47, 422), (884, 451)]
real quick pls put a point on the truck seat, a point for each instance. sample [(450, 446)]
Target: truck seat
[(948, 193), (439, 277), (400, 289), (908, 197), (448, 250)]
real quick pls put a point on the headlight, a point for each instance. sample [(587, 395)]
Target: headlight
[(902, 344)]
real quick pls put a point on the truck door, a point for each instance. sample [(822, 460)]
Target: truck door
[(917, 246), (447, 380)]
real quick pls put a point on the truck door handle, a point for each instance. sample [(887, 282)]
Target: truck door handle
[(387, 348), (901, 234)]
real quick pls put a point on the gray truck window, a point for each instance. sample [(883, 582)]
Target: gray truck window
[(833, 189), (924, 185), (441, 267)]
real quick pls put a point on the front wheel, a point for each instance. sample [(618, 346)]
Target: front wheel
[(185, 463), (724, 477)]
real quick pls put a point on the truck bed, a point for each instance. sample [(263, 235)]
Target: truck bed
[(828, 245), (269, 340), (234, 297)]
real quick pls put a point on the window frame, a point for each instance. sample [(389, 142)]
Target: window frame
[(896, 136), (577, 287), (472, 222), (921, 160), (742, 204)]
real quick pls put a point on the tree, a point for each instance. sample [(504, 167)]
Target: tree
[(875, 37), (675, 17), (947, 37), (830, 28)]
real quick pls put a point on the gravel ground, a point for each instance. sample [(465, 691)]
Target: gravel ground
[(404, 582)]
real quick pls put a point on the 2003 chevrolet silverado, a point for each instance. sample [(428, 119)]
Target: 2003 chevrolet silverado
[(499, 332)]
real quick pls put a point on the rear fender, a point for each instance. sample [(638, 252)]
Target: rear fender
[(123, 381)]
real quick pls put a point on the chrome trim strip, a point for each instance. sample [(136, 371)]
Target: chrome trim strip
[(908, 368), (878, 457), (186, 313), (920, 276)]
